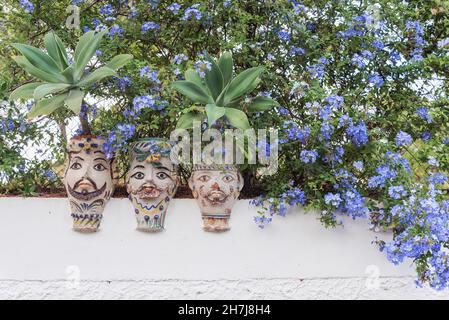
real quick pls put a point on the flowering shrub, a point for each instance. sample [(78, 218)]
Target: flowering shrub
[(362, 87)]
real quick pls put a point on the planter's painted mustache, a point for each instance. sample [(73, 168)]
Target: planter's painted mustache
[(86, 196), (82, 182), (148, 191), (215, 196)]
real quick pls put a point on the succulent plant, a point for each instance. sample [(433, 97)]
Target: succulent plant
[(221, 93), (61, 83)]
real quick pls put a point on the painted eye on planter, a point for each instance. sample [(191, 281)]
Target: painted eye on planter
[(138, 175), (204, 178), (162, 175), (76, 166), (228, 178), (99, 167)]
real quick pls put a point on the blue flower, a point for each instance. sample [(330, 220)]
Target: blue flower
[(379, 45), (294, 197), (358, 165), (284, 35), (27, 5), (262, 221), (333, 199), (384, 173), (147, 101), (326, 131), (297, 51), (174, 7), (150, 74), (376, 80), (108, 11), (403, 139), (358, 61), (115, 30), (150, 26), (308, 156), (123, 83), (397, 192), (202, 66), (426, 135), (192, 11), (179, 58), (433, 161), (437, 178), (358, 134), (424, 114)]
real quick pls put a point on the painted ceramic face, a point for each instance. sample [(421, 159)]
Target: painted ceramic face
[(216, 190), (89, 182), (151, 183)]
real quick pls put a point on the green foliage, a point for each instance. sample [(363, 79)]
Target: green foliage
[(222, 94), (61, 83)]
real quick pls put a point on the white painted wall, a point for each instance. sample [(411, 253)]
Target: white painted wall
[(294, 258)]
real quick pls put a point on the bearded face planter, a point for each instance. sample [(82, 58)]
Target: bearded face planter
[(89, 181), (151, 182), (216, 188)]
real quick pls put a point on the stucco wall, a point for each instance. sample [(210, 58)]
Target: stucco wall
[(293, 258)]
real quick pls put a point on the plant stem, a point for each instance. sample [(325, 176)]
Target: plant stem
[(85, 125)]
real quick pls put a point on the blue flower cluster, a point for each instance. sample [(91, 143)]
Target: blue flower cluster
[(317, 70), (294, 196), (308, 156), (147, 26), (118, 139), (27, 5), (150, 74), (419, 42), (358, 133), (192, 12), (423, 112), (403, 139)]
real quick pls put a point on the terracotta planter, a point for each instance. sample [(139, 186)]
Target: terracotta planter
[(89, 181), (151, 182), (216, 188)]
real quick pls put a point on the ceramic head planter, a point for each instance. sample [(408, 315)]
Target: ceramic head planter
[(151, 182), (216, 188), (89, 179)]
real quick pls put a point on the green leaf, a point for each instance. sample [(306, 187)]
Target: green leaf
[(87, 52), (242, 83), (95, 76), (24, 92), (49, 88), (38, 58), (69, 75), (62, 52), (214, 79), (187, 119), (226, 64), (214, 113), (192, 91), (262, 104), (56, 50), (221, 98), (237, 118), (119, 61), (193, 76), (38, 73), (47, 106), (84, 41), (253, 85), (74, 100)]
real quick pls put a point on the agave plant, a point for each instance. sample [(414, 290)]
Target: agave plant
[(61, 83), (221, 94)]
